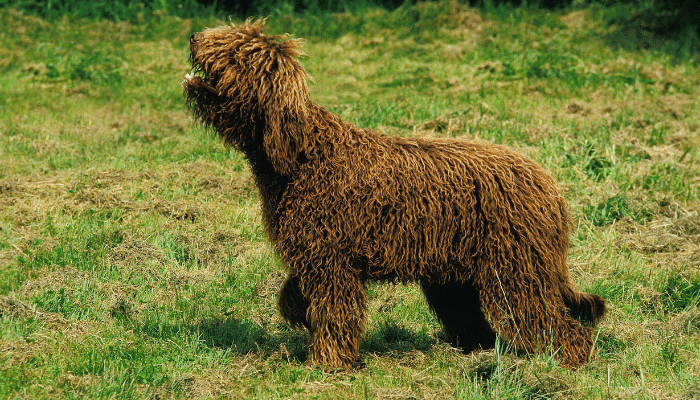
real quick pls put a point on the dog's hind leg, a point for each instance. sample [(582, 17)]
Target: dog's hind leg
[(458, 308), (533, 317), (292, 304)]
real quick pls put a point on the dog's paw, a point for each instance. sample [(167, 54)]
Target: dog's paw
[(190, 81), (187, 81)]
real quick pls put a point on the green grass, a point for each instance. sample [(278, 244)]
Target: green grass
[(132, 253)]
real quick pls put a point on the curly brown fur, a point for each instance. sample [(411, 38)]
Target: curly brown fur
[(482, 228)]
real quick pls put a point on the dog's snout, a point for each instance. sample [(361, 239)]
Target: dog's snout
[(195, 37)]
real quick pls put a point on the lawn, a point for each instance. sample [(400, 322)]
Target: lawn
[(133, 262)]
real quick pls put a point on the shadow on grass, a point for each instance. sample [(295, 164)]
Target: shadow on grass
[(392, 338), (241, 336), (680, 39)]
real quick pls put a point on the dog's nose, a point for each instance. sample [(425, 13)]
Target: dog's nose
[(193, 42)]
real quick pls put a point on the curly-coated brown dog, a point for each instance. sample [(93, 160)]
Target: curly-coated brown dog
[(483, 229)]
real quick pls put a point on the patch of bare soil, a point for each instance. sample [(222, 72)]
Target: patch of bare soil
[(576, 19), (221, 382), (551, 384), (542, 379), (686, 322), (41, 342), (672, 236), (138, 263), (27, 201), (69, 282), (138, 253), (115, 189), (458, 15), (223, 244), (575, 107), (453, 124), (11, 307), (119, 199), (66, 279), (15, 308), (7, 186), (268, 288), (485, 363), (137, 257), (29, 188)]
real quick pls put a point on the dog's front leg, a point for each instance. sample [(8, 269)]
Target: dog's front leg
[(336, 316), (292, 304)]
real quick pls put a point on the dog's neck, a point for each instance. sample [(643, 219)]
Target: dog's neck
[(324, 133), (271, 186)]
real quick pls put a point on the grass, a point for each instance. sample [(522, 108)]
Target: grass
[(132, 254)]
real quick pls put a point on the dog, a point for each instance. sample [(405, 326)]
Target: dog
[(482, 229)]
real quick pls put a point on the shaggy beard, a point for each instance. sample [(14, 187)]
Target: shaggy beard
[(239, 128), (203, 103)]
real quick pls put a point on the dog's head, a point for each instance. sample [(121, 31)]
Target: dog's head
[(251, 89)]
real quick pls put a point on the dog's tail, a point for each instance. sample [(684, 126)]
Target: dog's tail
[(587, 307)]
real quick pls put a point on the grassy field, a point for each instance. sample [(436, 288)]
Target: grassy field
[(133, 262)]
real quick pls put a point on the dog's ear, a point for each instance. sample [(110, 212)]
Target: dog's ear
[(285, 130), (285, 106)]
